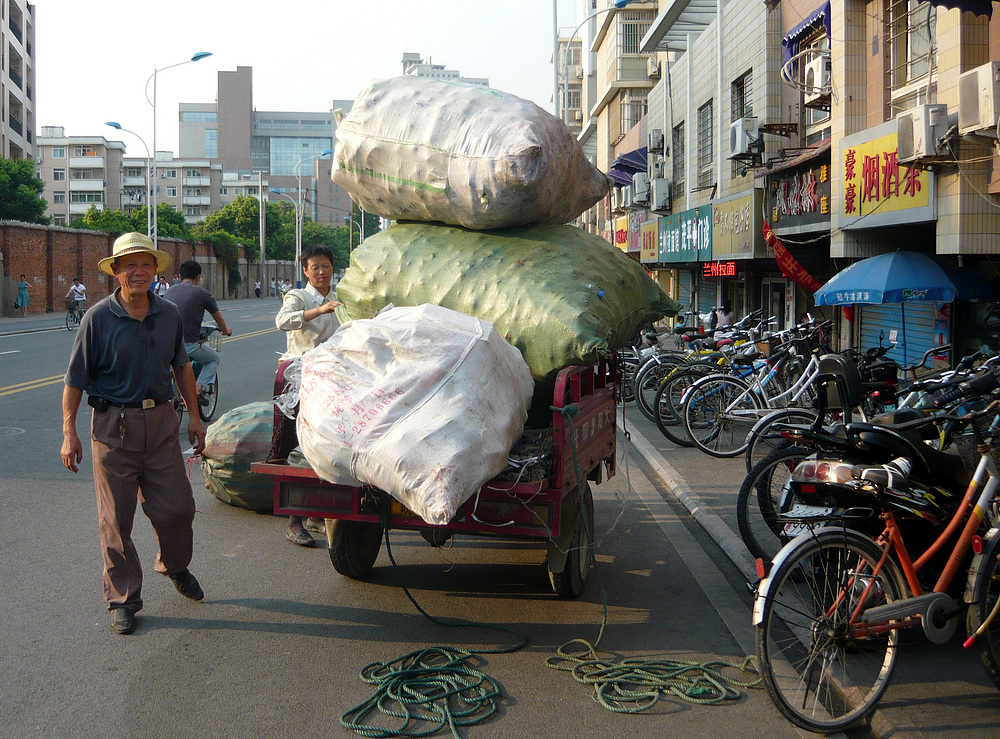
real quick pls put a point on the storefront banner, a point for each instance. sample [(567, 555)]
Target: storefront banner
[(878, 190), (735, 230), (788, 264), (648, 247), (635, 221), (798, 197), (687, 236), (621, 233)]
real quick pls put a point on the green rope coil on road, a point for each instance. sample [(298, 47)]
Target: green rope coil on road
[(435, 687), (636, 685)]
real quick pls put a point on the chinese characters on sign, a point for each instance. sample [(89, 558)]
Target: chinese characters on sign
[(621, 233), (718, 269), (735, 229), (687, 236), (648, 248), (878, 188), (798, 196)]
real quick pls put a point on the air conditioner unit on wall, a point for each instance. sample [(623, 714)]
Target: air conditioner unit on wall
[(655, 168), (640, 186), (656, 140), (578, 115), (653, 68), (742, 134), (627, 199), (817, 78), (660, 192), (979, 100), (918, 131)]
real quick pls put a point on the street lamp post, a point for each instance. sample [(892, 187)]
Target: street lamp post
[(196, 58), (617, 5), (149, 173), (350, 234), (298, 236), (300, 210)]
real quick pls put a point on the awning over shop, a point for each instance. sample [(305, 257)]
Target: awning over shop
[(626, 165), (978, 7), (803, 156), (792, 39)]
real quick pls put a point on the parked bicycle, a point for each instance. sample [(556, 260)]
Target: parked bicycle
[(829, 614), (208, 398)]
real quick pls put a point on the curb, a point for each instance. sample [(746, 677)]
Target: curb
[(714, 526)]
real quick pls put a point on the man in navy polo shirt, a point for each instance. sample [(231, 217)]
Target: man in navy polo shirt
[(123, 355)]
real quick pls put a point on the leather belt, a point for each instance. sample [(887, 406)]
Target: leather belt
[(103, 403)]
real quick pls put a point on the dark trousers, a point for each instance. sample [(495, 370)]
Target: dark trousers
[(143, 466)]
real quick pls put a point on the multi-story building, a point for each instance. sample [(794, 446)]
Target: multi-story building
[(840, 131), (415, 66), (285, 147), (571, 76), (78, 172), (17, 79)]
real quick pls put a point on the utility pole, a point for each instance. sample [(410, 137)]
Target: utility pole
[(261, 273)]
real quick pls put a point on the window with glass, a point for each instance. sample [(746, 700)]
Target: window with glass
[(199, 116), (58, 152), (192, 173), (135, 171), (741, 93), (633, 108), (287, 152), (632, 26), (81, 150), (706, 140), (58, 220), (58, 175), (912, 36), (81, 174), (212, 143), (194, 210), (59, 197), (677, 158), (171, 192), (168, 174), (86, 196), (223, 191)]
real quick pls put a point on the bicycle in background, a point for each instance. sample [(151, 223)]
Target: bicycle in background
[(208, 398), (74, 313)]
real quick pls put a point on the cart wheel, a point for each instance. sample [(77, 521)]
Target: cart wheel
[(568, 572), (354, 546)]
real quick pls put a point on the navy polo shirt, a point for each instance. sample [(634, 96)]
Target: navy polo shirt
[(124, 360)]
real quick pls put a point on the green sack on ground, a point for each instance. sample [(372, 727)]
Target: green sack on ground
[(560, 295), (239, 437)]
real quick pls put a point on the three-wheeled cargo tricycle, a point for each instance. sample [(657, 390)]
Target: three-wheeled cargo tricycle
[(547, 508)]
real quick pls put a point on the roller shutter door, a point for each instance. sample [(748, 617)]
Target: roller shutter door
[(912, 340)]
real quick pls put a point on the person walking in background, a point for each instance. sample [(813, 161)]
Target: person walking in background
[(22, 296), (273, 289), (307, 318), (256, 288), (724, 316), (161, 287), (123, 355)]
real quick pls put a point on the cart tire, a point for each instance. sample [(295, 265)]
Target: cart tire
[(354, 547), (570, 576)]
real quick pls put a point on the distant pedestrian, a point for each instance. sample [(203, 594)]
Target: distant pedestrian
[(256, 288), (22, 296), (176, 280), (161, 286), (273, 289), (724, 315)]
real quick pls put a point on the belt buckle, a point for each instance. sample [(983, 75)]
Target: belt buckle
[(148, 403)]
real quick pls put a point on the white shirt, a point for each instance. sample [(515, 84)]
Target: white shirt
[(79, 292), (301, 335)]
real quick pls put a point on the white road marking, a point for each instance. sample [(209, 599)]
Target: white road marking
[(13, 351)]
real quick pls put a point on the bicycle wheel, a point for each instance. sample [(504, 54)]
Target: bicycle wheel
[(762, 496), (821, 669), (763, 438), (211, 394), (648, 378), (984, 601), (71, 322), (668, 402), (718, 413)]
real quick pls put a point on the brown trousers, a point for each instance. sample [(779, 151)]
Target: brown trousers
[(143, 465)]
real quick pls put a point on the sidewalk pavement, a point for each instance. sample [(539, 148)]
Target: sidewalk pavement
[(936, 690)]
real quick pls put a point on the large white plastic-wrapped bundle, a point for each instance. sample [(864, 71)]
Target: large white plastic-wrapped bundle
[(423, 403), (428, 150)]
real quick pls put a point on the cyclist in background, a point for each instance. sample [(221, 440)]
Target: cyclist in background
[(192, 300), (78, 293)]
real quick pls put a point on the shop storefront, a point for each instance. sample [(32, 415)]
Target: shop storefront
[(685, 242), (737, 240)]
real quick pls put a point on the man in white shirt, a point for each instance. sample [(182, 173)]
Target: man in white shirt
[(307, 318), (306, 314)]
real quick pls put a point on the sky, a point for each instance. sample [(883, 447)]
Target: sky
[(95, 57)]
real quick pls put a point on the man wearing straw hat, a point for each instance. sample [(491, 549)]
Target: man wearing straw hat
[(123, 354)]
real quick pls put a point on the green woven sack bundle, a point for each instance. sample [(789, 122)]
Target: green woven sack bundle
[(237, 438), (560, 295)]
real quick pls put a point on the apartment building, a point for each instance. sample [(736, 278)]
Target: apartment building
[(415, 66), (17, 79), (282, 146), (78, 172), (570, 73)]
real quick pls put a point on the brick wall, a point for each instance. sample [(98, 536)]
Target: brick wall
[(51, 257)]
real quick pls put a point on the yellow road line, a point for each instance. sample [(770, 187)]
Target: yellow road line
[(34, 385), (57, 379)]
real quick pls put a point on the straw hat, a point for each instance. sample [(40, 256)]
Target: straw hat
[(131, 243)]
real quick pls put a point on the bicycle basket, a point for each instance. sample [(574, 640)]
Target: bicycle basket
[(215, 341), (69, 303)]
